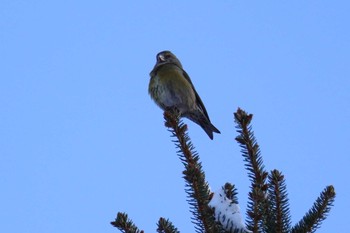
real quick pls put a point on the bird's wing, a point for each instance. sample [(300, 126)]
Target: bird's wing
[(198, 99)]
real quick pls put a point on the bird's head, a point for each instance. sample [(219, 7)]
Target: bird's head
[(167, 57)]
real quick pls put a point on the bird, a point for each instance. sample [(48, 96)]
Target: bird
[(171, 89)]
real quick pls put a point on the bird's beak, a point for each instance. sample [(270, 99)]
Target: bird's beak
[(161, 58)]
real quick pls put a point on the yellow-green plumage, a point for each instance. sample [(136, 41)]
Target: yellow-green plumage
[(171, 87)]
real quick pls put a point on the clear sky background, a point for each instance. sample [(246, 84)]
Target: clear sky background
[(81, 139)]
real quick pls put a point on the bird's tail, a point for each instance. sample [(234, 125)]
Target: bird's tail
[(204, 122)]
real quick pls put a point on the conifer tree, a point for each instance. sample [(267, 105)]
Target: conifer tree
[(218, 212)]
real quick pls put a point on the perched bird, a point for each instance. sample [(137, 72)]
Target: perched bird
[(171, 87)]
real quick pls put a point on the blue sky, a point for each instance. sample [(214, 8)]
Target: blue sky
[(81, 139)]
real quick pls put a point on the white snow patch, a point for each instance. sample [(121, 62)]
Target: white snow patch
[(227, 212)]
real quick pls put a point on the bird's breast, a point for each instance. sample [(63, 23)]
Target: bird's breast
[(169, 88)]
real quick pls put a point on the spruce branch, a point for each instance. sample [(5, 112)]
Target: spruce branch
[(124, 224), (219, 212), (231, 192), (197, 188), (165, 226), (254, 165), (278, 216), (318, 212)]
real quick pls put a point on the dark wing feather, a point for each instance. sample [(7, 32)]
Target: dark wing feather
[(198, 99)]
